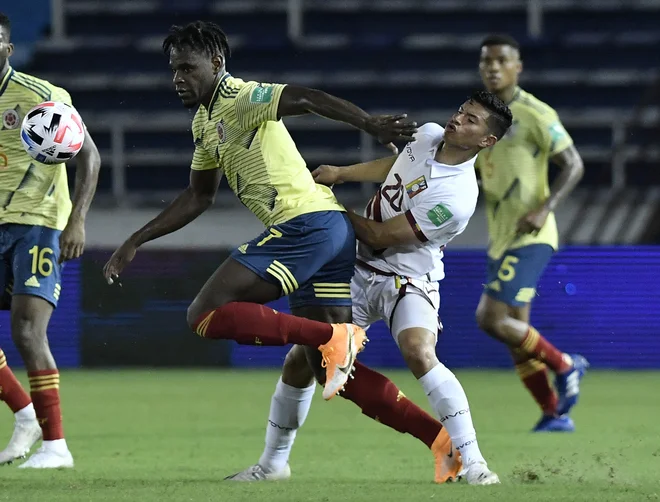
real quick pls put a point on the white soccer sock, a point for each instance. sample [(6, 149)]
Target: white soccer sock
[(288, 410), (56, 446), (26, 414), (450, 403)]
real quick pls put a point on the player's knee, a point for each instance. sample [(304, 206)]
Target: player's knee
[(418, 349), (296, 371), (29, 335), (487, 319), (199, 307), (192, 315), (484, 320), (195, 313)]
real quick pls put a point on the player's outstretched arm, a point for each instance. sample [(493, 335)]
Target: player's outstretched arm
[(192, 202), (397, 231), (375, 171), (88, 164), (296, 100)]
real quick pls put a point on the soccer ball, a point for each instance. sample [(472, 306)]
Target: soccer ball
[(52, 132)]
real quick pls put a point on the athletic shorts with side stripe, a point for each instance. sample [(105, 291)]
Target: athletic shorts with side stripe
[(311, 257)]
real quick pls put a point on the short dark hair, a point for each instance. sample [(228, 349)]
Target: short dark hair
[(201, 36), (500, 118), (5, 23), (500, 39)]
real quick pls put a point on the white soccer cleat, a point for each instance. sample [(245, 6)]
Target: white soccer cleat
[(478, 473), (21, 442), (257, 473), (45, 458)]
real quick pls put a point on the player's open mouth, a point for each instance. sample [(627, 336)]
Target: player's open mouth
[(183, 93), (451, 128)]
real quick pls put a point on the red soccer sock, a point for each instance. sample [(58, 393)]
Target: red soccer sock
[(537, 346), (11, 390), (534, 375), (381, 400), (254, 324), (45, 391)]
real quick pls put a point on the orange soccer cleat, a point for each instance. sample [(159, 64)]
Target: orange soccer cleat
[(339, 355), (448, 461)]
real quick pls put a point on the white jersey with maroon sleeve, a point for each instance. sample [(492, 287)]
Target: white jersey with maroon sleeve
[(437, 199)]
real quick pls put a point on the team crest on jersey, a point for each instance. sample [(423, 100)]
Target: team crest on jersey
[(416, 187), (10, 119), (220, 128)]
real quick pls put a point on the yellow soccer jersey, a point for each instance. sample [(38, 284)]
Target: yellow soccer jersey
[(30, 193), (514, 173), (241, 134)]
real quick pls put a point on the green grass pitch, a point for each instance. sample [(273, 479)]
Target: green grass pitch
[(173, 435)]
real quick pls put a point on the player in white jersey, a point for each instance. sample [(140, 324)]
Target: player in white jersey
[(426, 198)]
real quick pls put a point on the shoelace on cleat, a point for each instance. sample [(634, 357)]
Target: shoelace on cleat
[(326, 357)]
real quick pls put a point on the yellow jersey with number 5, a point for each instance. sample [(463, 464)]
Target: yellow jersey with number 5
[(514, 173), (241, 134), (30, 193)]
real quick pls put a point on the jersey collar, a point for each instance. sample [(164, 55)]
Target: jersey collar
[(5, 80), (439, 170), (516, 95), (216, 93)]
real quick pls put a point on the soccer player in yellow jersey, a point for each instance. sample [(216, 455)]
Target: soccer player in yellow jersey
[(308, 248), (40, 229), (523, 231)]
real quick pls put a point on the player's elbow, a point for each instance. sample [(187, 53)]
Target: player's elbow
[(578, 168), (95, 160), (205, 200), (89, 158), (201, 199)]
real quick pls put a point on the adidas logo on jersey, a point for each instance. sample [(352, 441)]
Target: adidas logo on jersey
[(33, 282)]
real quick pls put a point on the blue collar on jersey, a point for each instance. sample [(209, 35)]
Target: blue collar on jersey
[(5, 81), (214, 98)]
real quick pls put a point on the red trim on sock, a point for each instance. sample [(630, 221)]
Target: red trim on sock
[(534, 344), (45, 392)]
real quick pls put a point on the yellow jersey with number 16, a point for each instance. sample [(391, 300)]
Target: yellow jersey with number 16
[(240, 133), (514, 173), (30, 193)]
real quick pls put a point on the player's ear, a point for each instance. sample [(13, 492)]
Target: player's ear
[(488, 141), (218, 63), (519, 67), (10, 49)]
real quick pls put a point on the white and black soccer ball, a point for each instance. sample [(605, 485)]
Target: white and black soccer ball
[(52, 132)]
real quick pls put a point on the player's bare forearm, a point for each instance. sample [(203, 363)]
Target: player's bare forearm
[(376, 170), (379, 235), (88, 165), (190, 203), (296, 100), (181, 211), (571, 172)]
